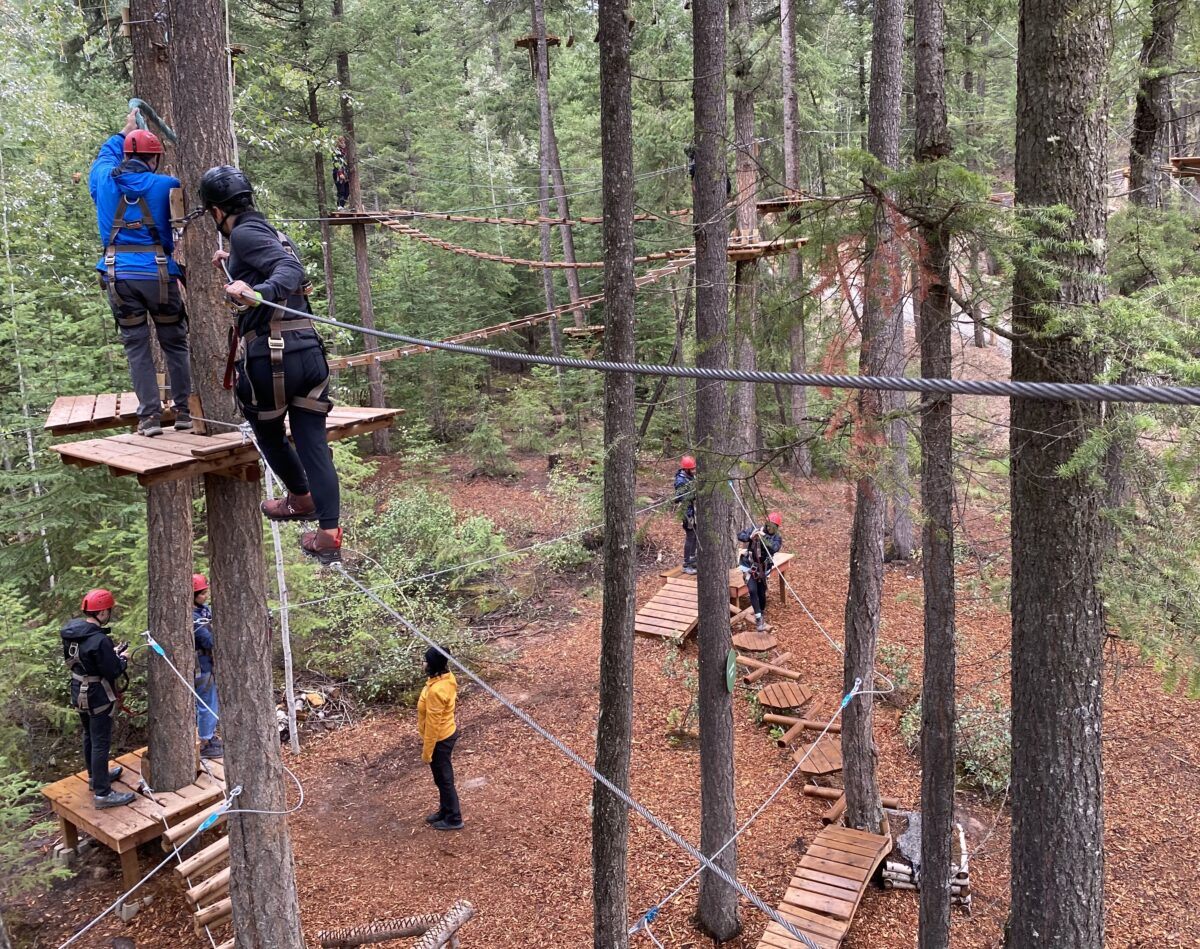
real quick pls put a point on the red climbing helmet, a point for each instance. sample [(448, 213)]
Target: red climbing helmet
[(775, 518), (199, 582), (687, 463), (96, 600), (141, 142)]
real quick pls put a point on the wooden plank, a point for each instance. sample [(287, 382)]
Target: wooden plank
[(838, 842), (128, 405), (834, 868), (106, 407), (664, 633), (811, 922), (820, 903), (81, 410), (60, 411), (669, 629), (165, 443), (824, 882), (850, 834), (784, 695), (203, 860), (776, 937), (668, 613), (861, 861)]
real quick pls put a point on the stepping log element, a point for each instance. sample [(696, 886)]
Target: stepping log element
[(822, 757), (754, 641), (784, 695), (759, 669)]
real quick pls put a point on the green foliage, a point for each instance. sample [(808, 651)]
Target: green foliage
[(682, 721), (578, 499), (23, 866), (487, 450), (982, 740)]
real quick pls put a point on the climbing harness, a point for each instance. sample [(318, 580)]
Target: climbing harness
[(80, 674), (112, 249)]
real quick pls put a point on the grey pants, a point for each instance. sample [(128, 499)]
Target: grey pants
[(141, 297)]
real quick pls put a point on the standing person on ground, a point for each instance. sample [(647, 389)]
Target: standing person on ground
[(206, 685), (96, 665), (281, 367), (685, 494), (141, 278), (756, 563), (438, 731)]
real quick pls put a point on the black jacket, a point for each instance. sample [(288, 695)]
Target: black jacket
[(257, 256), (755, 555), (88, 650)]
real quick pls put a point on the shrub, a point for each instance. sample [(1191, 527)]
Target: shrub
[(487, 450), (982, 740)]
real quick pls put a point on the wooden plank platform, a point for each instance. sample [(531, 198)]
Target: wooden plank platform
[(73, 414), (753, 641), (784, 695), (1185, 166), (752, 250), (122, 829), (825, 891), (672, 612), (737, 580), (175, 456), (824, 757)]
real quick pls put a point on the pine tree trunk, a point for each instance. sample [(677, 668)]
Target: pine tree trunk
[(614, 728), (314, 116), (263, 882), (881, 293), (801, 458), (745, 287), (717, 909), (380, 439), (1057, 530), (1151, 142), (937, 496)]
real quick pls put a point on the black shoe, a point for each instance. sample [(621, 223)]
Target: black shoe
[(434, 818), (111, 799), (151, 426), (446, 825), (113, 775), (212, 748), (183, 421)]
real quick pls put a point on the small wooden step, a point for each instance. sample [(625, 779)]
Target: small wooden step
[(202, 861), (214, 888), (176, 835), (216, 913)]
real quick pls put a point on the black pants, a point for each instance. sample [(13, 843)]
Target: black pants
[(309, 465), (97, 741), (343, 192), (758, 593), (689, 546), (443, 777)]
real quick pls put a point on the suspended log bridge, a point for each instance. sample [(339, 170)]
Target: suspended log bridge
[(405, 214), (825, 891), (437, 929)]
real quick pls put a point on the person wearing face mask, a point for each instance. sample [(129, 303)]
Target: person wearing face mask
[(438, 731), (756, 562)]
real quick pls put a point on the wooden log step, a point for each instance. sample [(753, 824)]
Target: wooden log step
[(205, 860), (216, 913), (214, 888), (784, 695), (834, 814), (753, 641), (174, 836)]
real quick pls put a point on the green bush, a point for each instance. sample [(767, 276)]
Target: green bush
[(982, 740), (487, 450)]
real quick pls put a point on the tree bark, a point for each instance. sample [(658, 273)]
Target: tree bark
[(745, 288), (801, 458), (614, 730), (550, 144), (545, 132), (717, 909), (1057, 531), (881, 293), (314, 116), (262, 879), (380, 439), (1150, 145), (937, 496)]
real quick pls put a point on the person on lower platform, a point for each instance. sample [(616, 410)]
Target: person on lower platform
[(756, 563), (438, 731), (137, 269), (281, 367), (207, 712), (685, 496), (96, 666)]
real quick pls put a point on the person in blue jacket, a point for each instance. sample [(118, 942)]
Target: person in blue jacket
[(206, 685), (141, 278)]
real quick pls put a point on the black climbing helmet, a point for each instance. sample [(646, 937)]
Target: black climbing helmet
[(222, 184)]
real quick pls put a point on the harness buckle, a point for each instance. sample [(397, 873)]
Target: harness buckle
[(275, 342)]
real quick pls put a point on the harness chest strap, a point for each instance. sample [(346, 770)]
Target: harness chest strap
[(113, 249)]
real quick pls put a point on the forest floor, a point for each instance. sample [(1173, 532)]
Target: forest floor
[(363, 851)]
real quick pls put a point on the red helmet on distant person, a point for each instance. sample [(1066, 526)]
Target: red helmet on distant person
[(142, 142), (96, 600), (775, 518), (199, 582), (687, 463)]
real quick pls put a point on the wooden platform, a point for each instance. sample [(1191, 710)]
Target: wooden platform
[(825, 891), (122, 829), (752, 250), (672, 612), (784, 695), (175, 456), (1185, 166), (72, 414), (753, 641), (824, 757)]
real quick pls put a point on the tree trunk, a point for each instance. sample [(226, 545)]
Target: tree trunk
[(881, 293), (263, 882), (801, 458), (1057, 530), (745, 288), (550, 144), (717, 910), (1150, 145), (614, 729), (380, 439), (937, 496), (314, 116)]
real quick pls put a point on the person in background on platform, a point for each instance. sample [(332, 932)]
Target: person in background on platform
[(685, 494), (438, 731), (281, 367), (133, 212), (207, 713), (762, 543), (96, 665), (341, 173)]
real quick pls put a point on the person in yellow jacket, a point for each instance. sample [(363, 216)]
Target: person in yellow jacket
[(435, 723)]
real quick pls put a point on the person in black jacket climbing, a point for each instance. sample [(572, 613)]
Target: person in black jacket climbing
[(281, 367), (96, 665), (756, 563)]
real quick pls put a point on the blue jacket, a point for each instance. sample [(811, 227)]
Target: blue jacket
[(202, 633), (685, 491), (110, 180)]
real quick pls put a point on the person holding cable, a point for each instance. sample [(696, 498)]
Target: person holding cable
[(757, 562), (281, 366)]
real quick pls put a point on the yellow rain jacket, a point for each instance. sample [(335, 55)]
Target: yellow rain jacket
[(435, 712)]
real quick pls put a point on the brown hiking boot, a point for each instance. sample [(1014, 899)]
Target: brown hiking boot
[(322, 546), (291, 507)]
